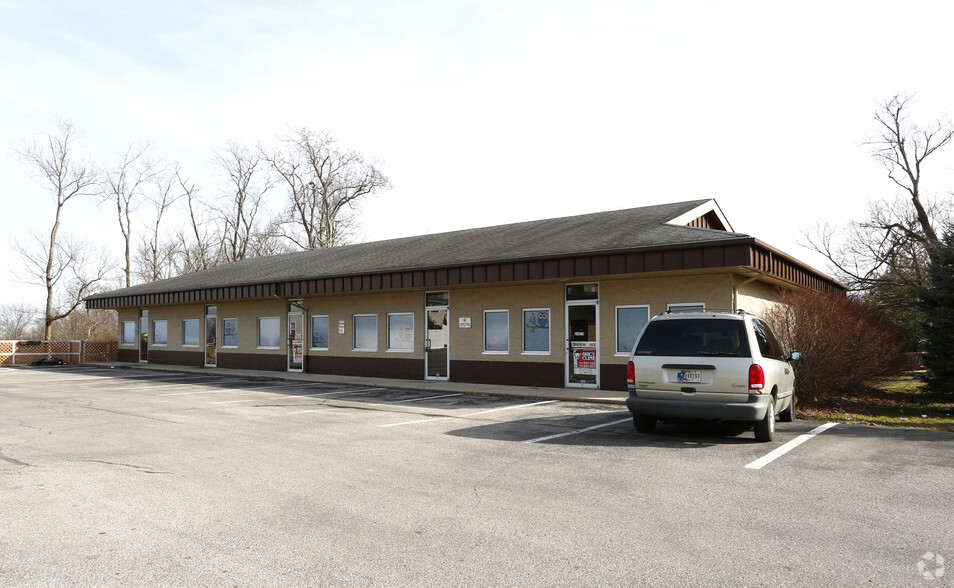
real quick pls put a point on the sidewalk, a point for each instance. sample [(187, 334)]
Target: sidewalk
[(531, 392)]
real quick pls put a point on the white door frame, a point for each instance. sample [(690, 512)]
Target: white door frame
[(567, 359), (298, 342)]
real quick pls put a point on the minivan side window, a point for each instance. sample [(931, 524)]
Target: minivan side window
[(768, 342)]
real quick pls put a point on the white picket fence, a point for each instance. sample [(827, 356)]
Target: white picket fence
[(71, 352)]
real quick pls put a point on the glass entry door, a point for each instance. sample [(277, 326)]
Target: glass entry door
[(144, 336), (211, 335), (296, 342), (436, 344), (210, 341), (583, 357)]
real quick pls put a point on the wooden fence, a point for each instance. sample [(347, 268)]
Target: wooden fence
[(71, 352)]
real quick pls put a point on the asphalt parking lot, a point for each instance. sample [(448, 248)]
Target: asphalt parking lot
[(117, 477)]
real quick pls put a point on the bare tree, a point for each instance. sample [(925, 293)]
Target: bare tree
[(18, 321), (325, 183), (87, 325), (66, 176), (124, 186), (69, 272), (248, 182), (897, 241), (156, 254), (196, 248)]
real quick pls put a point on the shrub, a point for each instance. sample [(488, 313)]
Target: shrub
[(844, 342)]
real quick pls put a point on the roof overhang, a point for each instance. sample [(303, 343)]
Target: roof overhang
[(746, 255)]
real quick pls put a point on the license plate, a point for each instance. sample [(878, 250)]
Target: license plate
[(689, 376)]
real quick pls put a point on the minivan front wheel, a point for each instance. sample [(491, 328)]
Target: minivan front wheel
[(644, 423), (765, 428)]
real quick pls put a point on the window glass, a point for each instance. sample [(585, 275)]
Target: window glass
[(769, 346), (230, 332), (536, 330), (497, 331), (269, 332), (129, 332), (190, 332), (582, 292), (319, 332), (160, 333), (366, 332), (630, 320), (694, 337), (401, 332), (436, 299)]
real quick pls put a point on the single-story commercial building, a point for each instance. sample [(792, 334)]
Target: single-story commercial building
[(553, 302)]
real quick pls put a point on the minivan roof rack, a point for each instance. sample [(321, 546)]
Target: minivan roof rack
[(708, 310)]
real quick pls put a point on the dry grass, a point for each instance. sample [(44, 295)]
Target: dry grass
[(896, 401)]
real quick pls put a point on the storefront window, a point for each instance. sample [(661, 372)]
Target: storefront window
[(536, 330), (319, 332), (269, 332), (401, 332), (160, 332), (630, 320), (190, 332), (496, 331), (129, 332), (365, 332), (230, 332)]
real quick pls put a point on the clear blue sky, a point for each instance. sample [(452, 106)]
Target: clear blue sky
[(489, 111)]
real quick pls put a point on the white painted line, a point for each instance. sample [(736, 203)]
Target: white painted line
[(304, 411), (338, 393), (236, 401), (147, 387), (415, 422), (470, 414), (416, 399), (196, 392), (578, 431), (511, 407), (779, 452)]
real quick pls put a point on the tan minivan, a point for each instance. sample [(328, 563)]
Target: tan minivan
[(717, 366)]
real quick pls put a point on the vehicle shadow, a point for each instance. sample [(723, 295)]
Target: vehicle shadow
[(570, 431)]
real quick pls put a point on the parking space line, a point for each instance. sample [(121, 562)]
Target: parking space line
[(780, 451), (416, 399), (469, 414), (578, 431), (336, 392), (511, 407), (415, 422)]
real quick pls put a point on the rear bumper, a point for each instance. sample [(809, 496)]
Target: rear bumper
[(752, 410)]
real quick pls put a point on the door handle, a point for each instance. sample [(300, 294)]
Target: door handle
[(427, 345)]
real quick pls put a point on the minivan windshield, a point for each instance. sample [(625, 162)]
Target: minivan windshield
[(694, 337)]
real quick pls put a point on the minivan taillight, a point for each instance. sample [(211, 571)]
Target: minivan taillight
[(756, 378), (631, 374)]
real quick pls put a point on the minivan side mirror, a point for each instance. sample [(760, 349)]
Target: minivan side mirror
[(795, 356)]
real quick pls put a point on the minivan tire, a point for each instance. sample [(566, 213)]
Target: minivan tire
[(788, 415), (765, 428), (644, 423)]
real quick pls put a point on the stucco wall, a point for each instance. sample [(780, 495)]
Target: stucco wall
[(466, 343)]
